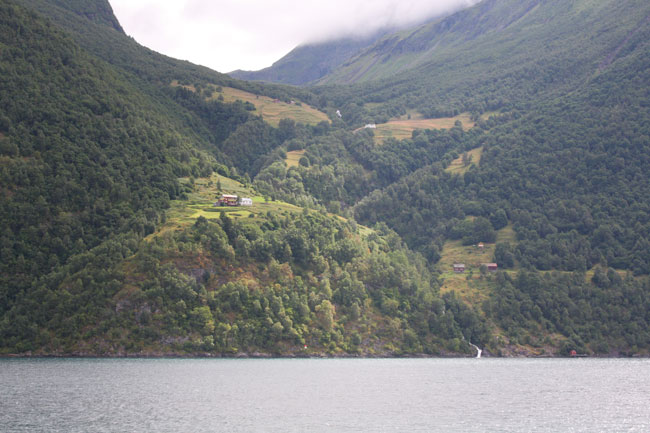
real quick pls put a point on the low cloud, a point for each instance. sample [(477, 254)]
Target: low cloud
[(252, 34)]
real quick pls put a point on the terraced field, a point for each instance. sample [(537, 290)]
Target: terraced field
[(271, 110), (274, 110), (403, 127)]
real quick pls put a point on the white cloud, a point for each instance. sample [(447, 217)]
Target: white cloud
[(251, 34)]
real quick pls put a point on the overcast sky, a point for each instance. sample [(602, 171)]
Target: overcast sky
[(251, 34)]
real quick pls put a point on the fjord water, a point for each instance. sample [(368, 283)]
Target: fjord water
[(338, 395)]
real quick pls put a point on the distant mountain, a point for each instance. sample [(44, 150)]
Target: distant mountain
[(310, 62), (493, 33), (494, 55)]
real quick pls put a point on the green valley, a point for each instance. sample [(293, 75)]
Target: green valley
[(514, 133)]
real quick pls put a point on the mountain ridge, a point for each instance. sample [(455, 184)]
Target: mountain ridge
[(309, 62)]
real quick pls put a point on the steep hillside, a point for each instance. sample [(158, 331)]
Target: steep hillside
[(111, 244), (84, 154), (405, 50), (562, 166), (310, 62), (110, 44), (493, 56), (112, 157), (98, 11)]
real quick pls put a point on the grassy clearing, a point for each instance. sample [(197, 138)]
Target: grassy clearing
[(469, 286), (457, 166), (470, 255), (372, 105), (200, 203), (190, 87), (293, 158), (411, 115), (488, 114), (403, 128), (273, 110), (507, 234)]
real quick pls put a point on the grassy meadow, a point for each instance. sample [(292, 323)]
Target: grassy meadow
[(402, 128), (457, 166), (273, 110), (469, 286), (293, 158), (200, 202)]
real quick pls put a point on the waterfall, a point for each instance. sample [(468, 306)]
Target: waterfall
[(478, 351)]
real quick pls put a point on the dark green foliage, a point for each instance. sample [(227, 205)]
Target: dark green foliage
[(248, 144), (316, 283), (98, 11), (571, 180), (494, 56), (93, 139), (503, 255), (218, 118), (588, 315), (87, 157)]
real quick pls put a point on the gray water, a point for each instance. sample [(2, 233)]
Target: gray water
[(323, 395)]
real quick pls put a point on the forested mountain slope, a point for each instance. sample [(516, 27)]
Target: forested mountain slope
[(560, 96), (111, 45), (109, 241), (490, 57), (111, 157), (84, 156)]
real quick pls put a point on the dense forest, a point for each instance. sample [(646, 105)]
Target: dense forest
[(111, 156)]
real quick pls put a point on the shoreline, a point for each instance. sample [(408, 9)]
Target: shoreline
[(258, 355)]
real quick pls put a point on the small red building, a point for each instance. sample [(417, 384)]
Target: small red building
[(459, 268), (491, 267), (227, 200)]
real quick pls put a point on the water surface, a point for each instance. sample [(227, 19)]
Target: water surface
[(323, 395)]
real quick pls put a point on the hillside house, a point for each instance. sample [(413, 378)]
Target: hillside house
[(245, 201), (370, 126), (227, 200), (491, 267), (459, 268), (481, 246)]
